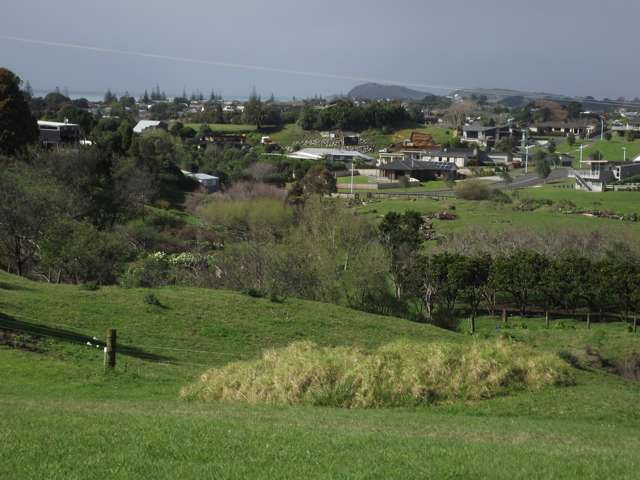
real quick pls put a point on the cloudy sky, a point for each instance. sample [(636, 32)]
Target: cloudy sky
[(302, 48)]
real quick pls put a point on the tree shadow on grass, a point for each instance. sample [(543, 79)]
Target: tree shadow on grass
[(10, 286), (13, 325)]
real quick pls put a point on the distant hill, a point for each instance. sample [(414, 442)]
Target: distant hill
[(376, 91), (498, 94)]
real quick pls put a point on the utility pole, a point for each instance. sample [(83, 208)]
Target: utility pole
[(352, 161), (110, 350), (581, 147), (602, 129)]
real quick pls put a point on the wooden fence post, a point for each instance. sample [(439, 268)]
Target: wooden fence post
[(588, 320), (546, 319), (635, 322), (504, 315), (110, 349)]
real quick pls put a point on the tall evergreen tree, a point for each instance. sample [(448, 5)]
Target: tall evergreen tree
[(18, 127)]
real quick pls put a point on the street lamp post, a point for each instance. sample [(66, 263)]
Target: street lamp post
[(526, 158)]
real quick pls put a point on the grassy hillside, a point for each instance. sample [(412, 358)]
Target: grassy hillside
[(62, 417), (501, 217)]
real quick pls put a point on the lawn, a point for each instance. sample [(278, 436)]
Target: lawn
[(225, 127), (611, 150), (492, 216), (382, 140), (288, 135), (62, 417), (360, 179)]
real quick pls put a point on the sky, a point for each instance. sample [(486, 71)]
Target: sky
[(301, 48)]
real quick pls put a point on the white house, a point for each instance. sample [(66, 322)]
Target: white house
[(331, 154), (210, 182), (142, 125)]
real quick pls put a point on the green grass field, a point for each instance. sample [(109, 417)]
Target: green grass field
[(62, 417), (225, 127), (360, 179), (611, 150), (381, 140), (492, 216)]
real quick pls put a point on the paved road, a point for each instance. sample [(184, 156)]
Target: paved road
[(532, 179)]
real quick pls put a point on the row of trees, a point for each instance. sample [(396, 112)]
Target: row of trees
[(346, 115), (437, 284)]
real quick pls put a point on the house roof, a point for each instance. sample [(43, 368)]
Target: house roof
[(199, 176), (476, 127), (43, 123), (319, 153), (418, 165), (142, 125), (450, 153), (556, 124)]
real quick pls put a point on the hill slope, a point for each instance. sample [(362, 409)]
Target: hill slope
[(375, 91), (61, 416)]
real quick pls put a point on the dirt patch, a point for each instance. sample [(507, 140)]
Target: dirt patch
[(21, 341)]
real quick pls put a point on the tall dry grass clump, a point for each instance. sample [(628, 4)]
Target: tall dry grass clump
[(399, 374)]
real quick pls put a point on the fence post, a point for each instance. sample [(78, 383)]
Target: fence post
[(635, 322), (588, 320), (504, 315), (110, 349), (546, 319)]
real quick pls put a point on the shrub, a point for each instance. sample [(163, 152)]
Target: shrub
[(399, 374), (89, 286), (404, 181), (472, 190), (500, 197), (151, 299), (253, 292)]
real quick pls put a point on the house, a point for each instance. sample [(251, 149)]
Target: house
[(418, 169), (59, 133), (208, 182), (332, 155), (629, 124), (412, 148), (600, 173), (143, 125), (226, 140), (486, 135), (460, 158), (584, 129)]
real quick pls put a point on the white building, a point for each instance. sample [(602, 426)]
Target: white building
[(331, 154)]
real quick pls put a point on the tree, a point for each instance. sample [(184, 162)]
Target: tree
[(18, 127), (308, 117), (443, 282), (254, 110), (28, 205), (519, 275), (110, 97), (608, 136), (400, 234), (472, 274), (145, 98), (319, 180), (543, 170), (571, 139), (631, 136), (551, 147), (574, 109)]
